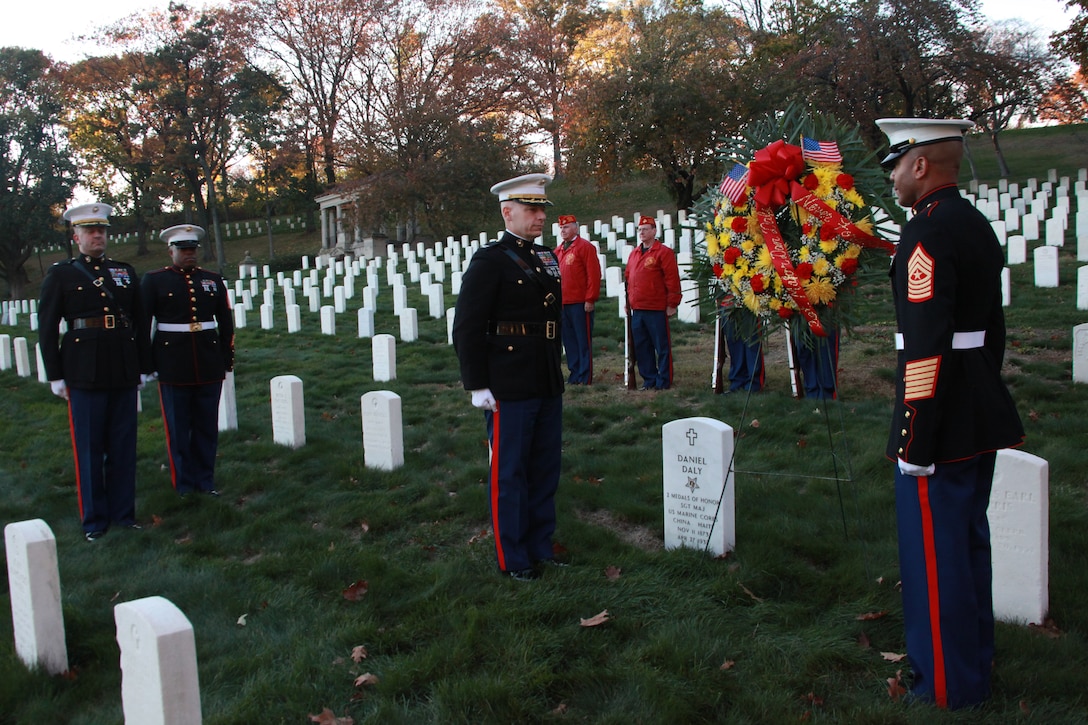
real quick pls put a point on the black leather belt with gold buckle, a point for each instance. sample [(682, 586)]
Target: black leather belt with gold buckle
[(528, 329), (105, 321)]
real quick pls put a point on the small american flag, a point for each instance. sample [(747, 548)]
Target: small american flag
[(820, 151), (735, 184)]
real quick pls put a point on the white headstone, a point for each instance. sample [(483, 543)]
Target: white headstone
[(1080, 353), (268, 321), (22, 357), (40, 363), (239, 316), (383, 430), (450, 314), (1019, 537), (409, 324), (294, 318), (1082, 288), (697, 456), (689, 302), (1030, 223), (328, 320), (288, 413), (1006, 287), (159, 682), (999, 231), (34, 583), (365, 316), (1055, 232), (228, 404), (1046, 266), (384, 350), (1017, 249), (5, 352)]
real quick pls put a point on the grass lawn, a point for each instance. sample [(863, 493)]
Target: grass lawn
[(791, 627)]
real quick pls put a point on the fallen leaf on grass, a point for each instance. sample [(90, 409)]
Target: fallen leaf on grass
[(328, 717), (612, 573), (728, 665), (358, 653), (870, 616), (813, 699), (156, 520), (1047, 628), (560, 709), (357, 591), (863, 641), (802, 443), (755, 422), (366, 679), (484, 534), (596, 620), (365, 526), (1033, 416), (242, 620), (749, 592), (895, 686), (893, 656), (1024, 708)]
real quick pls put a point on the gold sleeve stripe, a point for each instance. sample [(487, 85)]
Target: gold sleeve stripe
[(920, 377)]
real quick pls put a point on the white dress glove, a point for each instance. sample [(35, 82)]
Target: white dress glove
[(483, 399), (912, 469), (146, 378), (59, 388)]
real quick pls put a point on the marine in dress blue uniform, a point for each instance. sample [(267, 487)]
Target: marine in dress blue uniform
[(97, 367), (745, 346), (507, 334), (192, 350), (952, 413)]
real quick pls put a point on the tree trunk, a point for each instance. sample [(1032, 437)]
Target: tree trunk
[(220, 252), (268, 221), (1001, 163)]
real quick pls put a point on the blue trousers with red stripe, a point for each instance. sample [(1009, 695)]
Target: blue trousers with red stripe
[(526, 438), (190, 414), (578, 343), (944, 561), (653, 347), (103, 425)]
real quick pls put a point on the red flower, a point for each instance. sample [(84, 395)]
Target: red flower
[(827, 231), (849, 266), (811, 182), (757, 283), (739, 224), (844, 181), (804, 270), (731, 255), (806, 228), (785, 312), (717, 270)]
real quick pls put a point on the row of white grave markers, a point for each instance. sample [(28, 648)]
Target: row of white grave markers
[(159, 681), (382, 419), (699, 509)]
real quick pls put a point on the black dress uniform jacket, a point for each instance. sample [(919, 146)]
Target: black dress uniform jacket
[(950, 403), (498, 297), (106, 345), (172, 295)]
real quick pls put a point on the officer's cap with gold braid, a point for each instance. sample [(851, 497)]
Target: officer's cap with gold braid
[(907, 133), (94, 214), (527, 189), (183, 236)]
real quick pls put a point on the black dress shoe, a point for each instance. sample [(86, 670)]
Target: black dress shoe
[(211, 492), (522, 575), (94, 535), (134, 527), (553, 563)]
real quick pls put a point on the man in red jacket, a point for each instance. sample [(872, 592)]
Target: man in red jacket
[(653, 294), (581, 277)]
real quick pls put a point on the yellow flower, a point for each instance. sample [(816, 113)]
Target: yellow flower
[(712, 247), (829, 246), (804, 253), (820, 290), (774, 303), (763, 260), (751, 301), (747, 245), (820, 266), (853, 251)]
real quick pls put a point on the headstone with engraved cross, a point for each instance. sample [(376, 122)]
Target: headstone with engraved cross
[(697, 478)]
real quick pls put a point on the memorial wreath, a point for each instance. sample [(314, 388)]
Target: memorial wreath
[(787, 227)]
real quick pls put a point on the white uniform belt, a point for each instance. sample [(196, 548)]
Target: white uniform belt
[(960, 340), (186, 326)]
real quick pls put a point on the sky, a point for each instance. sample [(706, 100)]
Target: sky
[(52, 25)]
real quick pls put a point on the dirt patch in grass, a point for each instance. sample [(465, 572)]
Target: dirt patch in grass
[(633, 534)]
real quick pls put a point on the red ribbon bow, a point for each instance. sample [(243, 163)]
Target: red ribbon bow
[(772, 171)]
